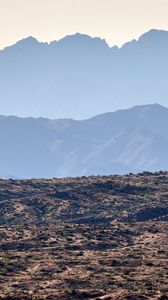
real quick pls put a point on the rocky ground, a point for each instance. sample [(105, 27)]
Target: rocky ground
[(84, 238)]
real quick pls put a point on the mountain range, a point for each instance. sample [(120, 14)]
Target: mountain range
[(79, 76), (131, 140)]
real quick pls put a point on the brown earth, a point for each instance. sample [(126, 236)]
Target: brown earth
[(84, 238)]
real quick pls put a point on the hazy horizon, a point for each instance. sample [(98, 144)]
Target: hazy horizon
[(115, 21), (84, 34)]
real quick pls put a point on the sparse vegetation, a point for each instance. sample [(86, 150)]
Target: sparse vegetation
[(84, 238)]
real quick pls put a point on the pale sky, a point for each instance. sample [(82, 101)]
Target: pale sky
[(117, 21)]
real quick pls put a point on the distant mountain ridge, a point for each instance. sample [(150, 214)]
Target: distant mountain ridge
[(132, 140), (79, 76)]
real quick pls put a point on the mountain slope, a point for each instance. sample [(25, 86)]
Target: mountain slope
[(124, 141), (84, 238), (80, 76)]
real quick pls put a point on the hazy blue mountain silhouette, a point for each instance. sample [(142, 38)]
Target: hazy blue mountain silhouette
[(79, 76), (131, 140)]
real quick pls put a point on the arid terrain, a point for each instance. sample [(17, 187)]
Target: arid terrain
[(84, 238)]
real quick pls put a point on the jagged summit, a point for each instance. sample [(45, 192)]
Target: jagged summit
[(24, 45), (151, 38), (29, 41), (81, 37), (77, 38), (80, 76), (153, 34)]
